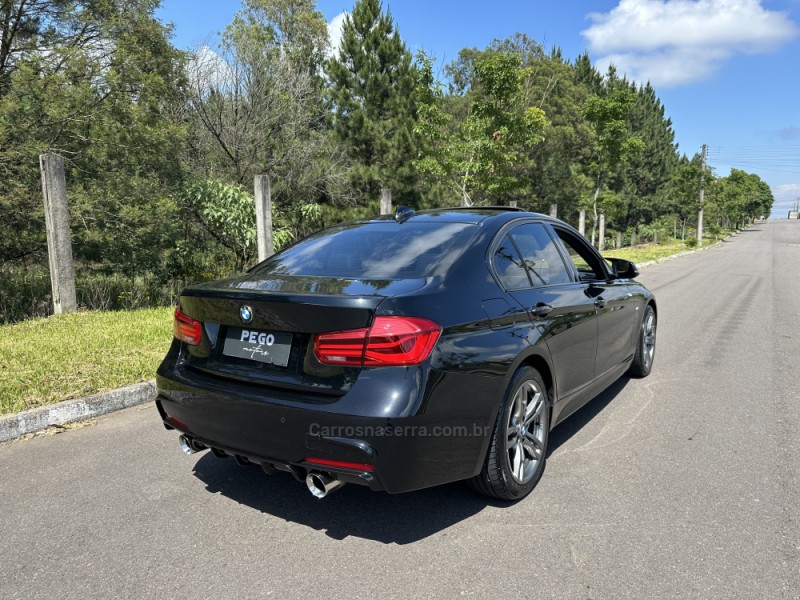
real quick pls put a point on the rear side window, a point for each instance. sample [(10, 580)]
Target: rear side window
[(540, 255), (377, 250), (509, 266)]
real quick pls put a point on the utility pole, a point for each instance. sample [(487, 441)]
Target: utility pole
[(702, 198)]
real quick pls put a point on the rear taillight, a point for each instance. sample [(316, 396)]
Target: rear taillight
[(391, 341), (341, 347), (186, 329)]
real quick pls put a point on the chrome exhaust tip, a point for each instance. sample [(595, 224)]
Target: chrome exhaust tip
[(190, 445), (320, 485), (186, 445)]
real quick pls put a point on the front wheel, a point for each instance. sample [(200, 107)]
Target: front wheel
[(645, 346), (519, 444)]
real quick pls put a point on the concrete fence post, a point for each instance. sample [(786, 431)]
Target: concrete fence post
[(554, 211), (582, 222), (386, 201), (59, 240), (700, 224), (263, 196), (601, 241), (513, 203)]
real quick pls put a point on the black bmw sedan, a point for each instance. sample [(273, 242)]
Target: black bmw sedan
[(405, 352)]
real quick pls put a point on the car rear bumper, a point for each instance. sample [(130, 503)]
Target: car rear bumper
[(444, 438)]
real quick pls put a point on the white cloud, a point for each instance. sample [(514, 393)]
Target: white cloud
[(208, 70), (335, 33), (674, 42)]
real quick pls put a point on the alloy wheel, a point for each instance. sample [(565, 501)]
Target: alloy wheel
[(525, 432), (649, 339)]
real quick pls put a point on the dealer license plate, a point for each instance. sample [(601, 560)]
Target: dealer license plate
[(271, 347)]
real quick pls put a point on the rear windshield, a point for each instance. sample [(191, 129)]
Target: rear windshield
[(377, 250)]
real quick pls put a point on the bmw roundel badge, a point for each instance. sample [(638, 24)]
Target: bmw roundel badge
[(246, 313)]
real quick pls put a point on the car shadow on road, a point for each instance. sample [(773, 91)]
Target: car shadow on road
[(358, 512), (351, 511), (580, 419)]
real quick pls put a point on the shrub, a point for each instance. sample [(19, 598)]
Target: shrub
[(115, 292), (28, 295), (24, 295), (691, 242)]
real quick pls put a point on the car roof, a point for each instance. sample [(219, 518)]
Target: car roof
[(471, 215)]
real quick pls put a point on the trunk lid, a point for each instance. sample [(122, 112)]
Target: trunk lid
[(260, 329)]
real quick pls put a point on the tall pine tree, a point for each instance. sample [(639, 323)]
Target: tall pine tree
[(372, 91), (650, 171)]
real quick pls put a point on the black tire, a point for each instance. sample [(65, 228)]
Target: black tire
[(645, 346), (516, 457)]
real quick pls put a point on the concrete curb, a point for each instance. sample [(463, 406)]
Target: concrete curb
[(79, 409)]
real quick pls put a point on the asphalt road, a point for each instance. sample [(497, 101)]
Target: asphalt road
[(681, 485)]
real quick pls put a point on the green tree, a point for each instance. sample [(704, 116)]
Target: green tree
[(554, 168), (739, 198), (103, 95), (227, 213), (480, 157), (256, 107), (372, 89), (683, 191), (28, 27), (648, 172), (613, 142), (587, 75)]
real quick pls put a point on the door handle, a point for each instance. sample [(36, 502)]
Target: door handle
[(541, 309), (600, 302)]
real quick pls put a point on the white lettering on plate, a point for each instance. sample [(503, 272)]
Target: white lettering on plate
[(256, 350), (262, 339)]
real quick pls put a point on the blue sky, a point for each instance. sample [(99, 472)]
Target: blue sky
[(727, 71)]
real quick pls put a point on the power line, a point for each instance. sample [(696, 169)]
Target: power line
[(769, 158)]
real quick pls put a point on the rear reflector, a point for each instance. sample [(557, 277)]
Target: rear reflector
[(186, 329), (340, 464), (391, 341), (175, 421)]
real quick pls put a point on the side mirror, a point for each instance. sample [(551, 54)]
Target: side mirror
[(622, 269)]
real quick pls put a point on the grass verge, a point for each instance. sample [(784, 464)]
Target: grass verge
[(43, 361), (640, 254), (648, 252)]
